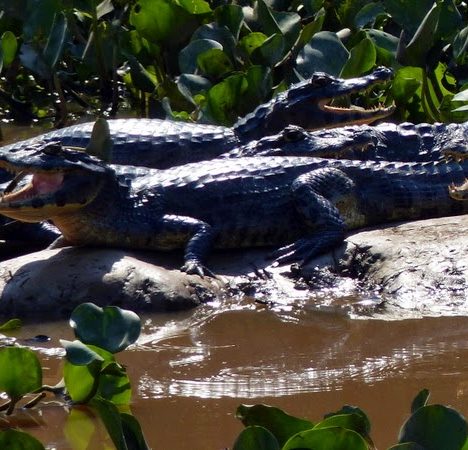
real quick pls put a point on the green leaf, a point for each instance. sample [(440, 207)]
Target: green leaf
[(81, 381), (105, 7), (350, 421), (406, 83), (55, 41), (21, 371), (18, 440), (114, 384), (256, 438), (12, 324), (162, 21), (420, 400), (224, 98), (315, 56), (460, 97), (309, 29), (230, 16), (280, 424), (270, 52), (408, 13), (325, 439), (368, 14), (9, 46), (133, 432), (214, 63), (450, 20), (252, 41), (195, 6), (79, 428), (416, 51), (80, 354), (188, 56), (361, 59), (460, 44), (110, 328), (435, 427), (219, 34)]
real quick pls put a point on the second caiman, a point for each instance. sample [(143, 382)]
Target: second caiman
[(306, 204), (311, 104)]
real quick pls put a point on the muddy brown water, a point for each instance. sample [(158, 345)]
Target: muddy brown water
[(190, 371)]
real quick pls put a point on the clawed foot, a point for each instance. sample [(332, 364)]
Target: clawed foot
[(197, 268)]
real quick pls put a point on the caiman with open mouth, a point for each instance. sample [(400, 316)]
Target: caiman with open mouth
[(307, 203), (310, 104)]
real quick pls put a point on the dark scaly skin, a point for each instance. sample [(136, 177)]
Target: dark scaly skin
[(163, 143), (241, 202), (405, 142)]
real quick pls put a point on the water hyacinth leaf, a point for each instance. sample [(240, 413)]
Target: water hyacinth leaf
[(367, 14), (110, 416), (162, 21), (309, 29), (450, 20), (348, 409), (79, 428), (214, 63), (408, 13), (189, 54), (110, 328), (252, 41), (230, 16), (259, 86), (81, 381), (312, 6), (21, 371), (460, 44), (435, 427), (9, 46), (361, 59), (256, 438), (406, 83), (270, 52), (335, 438), (19, 440), (219, 34), (114, 384), (280, 424), (415, 53), (315, 56), (80, 354), (12, 324), (195, 6), (224, 99), (190, 85), (56, 40), (420, 400)]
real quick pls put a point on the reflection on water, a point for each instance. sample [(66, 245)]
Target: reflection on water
[(191, 370)]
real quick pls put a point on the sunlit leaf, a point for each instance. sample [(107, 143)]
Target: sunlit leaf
[(9, 46), (252, 41), (214, 63), (195, 6), (231, 16), (79, 428), (21, 371), (188, 55), (80, 354), (270, 52), (110, 328), (461, 96), (361, 59), (81, 381), (114, 384)]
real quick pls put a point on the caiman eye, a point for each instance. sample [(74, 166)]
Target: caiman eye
[(53, 148), (320, 79), (293, 134)]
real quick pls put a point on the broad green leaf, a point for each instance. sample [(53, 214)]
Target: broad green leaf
[(256, 438), (350, 421), (270, 52), (162, 21), (420, 400), (79, 428), (18, 440), (460, 44), (435, 427), (315, 56), (368, 14), (312, 6), (417, 49), (142, 78), (219, 34), (252, 41), (461, 108), (335, 438), (450, 20), (80, 354), (230, 16), (114, 384), (190, 85), (110, 328), (224, 99), (188, 55), (21, 371), (280, 424), (9, 46), (309, 29), (81, 381), (406, 83), (259, 87), (408, 13), (12, 324), (214, 63), (195, 6), (361, 59)]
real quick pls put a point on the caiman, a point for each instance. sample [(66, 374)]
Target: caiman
[(307, 203), (405, 142), (155, 143)]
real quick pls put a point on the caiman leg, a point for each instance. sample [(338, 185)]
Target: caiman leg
[(315, 193)]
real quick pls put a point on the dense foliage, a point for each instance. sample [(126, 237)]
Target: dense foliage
[(213, 61)]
